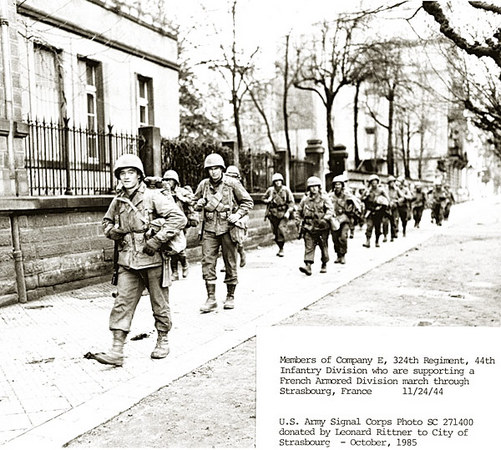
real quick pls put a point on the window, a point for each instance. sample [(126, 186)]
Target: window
[(145, 100), (91, 75), (47, 101)]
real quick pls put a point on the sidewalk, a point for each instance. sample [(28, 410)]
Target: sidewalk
[(50, 394)]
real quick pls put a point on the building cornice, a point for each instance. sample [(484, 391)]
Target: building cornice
[(66, 25)]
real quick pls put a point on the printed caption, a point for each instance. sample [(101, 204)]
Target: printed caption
[(341, 387)]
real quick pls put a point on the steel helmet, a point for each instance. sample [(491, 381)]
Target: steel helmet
[(401, 178), (391, 178), (314, 181), (277, 177), (126, 161), (171, 175), (233, 171), (373, 177), (214, 160), (339, 179)]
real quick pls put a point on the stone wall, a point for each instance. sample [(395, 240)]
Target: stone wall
[(63, 246)]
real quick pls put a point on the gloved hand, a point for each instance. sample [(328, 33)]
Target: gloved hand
[(151, 246), (116, 234), (193, 223), (201, 202), (233, 218)]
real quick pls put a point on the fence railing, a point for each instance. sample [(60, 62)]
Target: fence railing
[(63, 159)]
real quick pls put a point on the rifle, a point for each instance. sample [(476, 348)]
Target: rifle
[(114, 277)]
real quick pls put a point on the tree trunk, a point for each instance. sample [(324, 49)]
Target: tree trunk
[(389, 156), (355, 124), (286, 112)]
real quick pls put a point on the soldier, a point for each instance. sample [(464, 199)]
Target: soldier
[(418, 204), (314, 216), (183, 196), (391, 214), (232, 171), (279, 207), (224, 202), (376, 202), (438, 201), (404, 203), (449, 200), (344, 205), (142, 221)]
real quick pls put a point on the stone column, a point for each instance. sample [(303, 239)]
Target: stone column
[(315, 155), (337, 162), (150, 151)]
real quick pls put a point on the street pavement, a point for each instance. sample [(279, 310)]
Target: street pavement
[(50, 394)]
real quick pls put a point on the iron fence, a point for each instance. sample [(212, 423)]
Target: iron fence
[(69, 160)]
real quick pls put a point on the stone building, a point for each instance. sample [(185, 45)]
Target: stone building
[(83, 81)]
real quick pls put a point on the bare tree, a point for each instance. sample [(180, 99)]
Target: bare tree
[(233, 65)]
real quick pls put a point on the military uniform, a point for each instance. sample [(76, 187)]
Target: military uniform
[(418, 205), (391, 216), (128, 221), (280, 205), (183, 196), (218, 200), (344, 205), (314, 215), (439, 197), (376, 203), (404, 204)]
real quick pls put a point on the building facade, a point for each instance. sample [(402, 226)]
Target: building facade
[(81, 82)]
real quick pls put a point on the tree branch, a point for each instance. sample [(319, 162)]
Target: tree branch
[(435, 10)]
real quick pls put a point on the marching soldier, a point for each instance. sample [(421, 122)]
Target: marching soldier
[(449, 200), (223, 202), (439, 197), (376, 202), (344, 205), (184, 199), (142, 221), (391, 214), (314, 217), (232, 171), (418, 204), (279, 207), (404, 203)]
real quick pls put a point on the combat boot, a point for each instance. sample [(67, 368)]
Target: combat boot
[(229, 302), (323, 269), (280, 250), (161, 349), (342, 260), (306, 269), (115, 356), (367, 243), (175, 274), (211, 303)]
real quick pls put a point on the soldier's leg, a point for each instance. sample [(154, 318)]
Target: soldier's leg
[(210, 253), (368, 230), (280, 239), (309, 253), (130, 287), (229, 250), (323, 243), (378, 217), (174, 260), (343, 242), (385, 222), (159, 299)]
